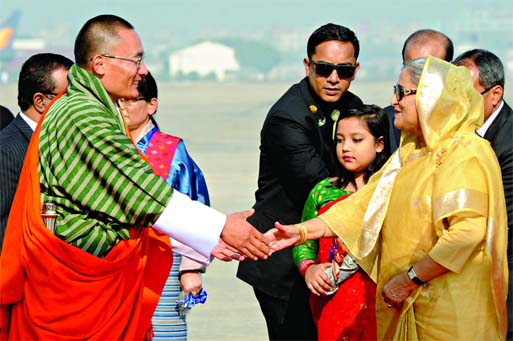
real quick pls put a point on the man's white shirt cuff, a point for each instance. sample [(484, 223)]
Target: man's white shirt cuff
[(189, 252), (191, 223)]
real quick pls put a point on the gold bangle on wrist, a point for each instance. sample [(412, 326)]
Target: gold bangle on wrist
[(302, 233)]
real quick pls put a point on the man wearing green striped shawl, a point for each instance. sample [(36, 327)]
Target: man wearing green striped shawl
[(90, 169), (102, 277)]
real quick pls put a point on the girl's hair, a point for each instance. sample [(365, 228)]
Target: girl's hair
[(376, 121)]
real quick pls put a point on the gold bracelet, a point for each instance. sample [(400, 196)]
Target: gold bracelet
[(302, 233)]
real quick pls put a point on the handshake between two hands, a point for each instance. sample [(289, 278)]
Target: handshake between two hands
[(240, 240)]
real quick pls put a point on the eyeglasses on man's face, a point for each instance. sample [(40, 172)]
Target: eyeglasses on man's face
[(49, 95), (136, 60), (486, 90), (325, 69), (400, 92)]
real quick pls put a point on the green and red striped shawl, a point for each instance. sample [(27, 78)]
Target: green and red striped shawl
[(92, 171)]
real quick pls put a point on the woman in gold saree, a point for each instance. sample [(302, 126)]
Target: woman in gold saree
[(430, 226)]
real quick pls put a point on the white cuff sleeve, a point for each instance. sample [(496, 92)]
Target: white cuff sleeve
[(187, 264), (191, 223), (189, 252)]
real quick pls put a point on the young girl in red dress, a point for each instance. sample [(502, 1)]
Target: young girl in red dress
[(343, 295)]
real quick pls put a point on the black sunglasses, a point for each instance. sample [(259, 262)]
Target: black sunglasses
[(400, 92), (324, 69)]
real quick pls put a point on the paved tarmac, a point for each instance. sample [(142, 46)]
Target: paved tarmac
[(221, 132), (231, 311)]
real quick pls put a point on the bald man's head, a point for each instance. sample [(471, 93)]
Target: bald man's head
[(427, 42)]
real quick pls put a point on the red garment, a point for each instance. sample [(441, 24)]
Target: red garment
[(161, 151), (52, 290), (350, 313)]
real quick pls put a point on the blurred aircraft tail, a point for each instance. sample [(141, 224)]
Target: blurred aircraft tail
[(7, 33)]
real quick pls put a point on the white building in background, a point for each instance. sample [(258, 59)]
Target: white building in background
[(204, 59)]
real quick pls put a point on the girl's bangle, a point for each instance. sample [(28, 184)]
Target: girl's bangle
[(302, 233)]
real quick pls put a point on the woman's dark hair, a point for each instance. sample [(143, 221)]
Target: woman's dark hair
[(375, 119), (147, 88)]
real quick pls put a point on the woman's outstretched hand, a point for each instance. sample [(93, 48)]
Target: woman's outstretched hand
[(282, 236)]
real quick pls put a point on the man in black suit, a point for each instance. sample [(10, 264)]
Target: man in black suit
[(296, 152), (6, 117), (42, 77), (420, 44), (488, 77)]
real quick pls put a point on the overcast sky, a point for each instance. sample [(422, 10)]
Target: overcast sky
[(177, 20)]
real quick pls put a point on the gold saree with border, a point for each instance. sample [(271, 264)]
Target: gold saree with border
[(445, 200)]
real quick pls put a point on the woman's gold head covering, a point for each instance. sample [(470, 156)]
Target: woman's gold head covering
[(447, 103)]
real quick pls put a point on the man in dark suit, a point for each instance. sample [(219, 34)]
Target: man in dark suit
[(42, 77), (420, 44), (488, 77), (6, 117), (296, 152)]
